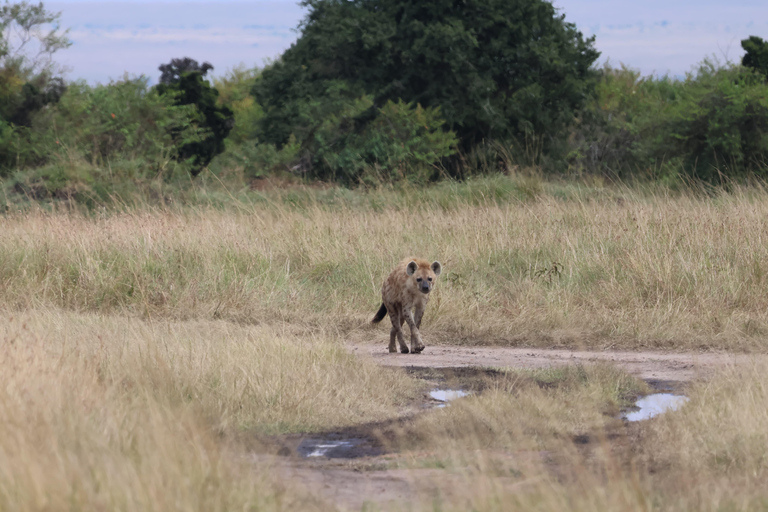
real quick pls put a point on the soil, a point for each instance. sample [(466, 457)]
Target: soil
[(368, 475), (650, 366)]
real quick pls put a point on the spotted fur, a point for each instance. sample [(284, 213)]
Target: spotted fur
[(404, 296)]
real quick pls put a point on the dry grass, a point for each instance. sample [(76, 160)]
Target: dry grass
[(516, 453), (139, 348), (532, 441), (123, 414), (718, 443), (529, 410), (647, 271)]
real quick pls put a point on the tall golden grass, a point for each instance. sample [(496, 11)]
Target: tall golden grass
[(139, 348), (648, 270), (116, 413)]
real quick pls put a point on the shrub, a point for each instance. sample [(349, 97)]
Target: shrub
[(183, 81), (122, 120), (402, 141), (712, 126)]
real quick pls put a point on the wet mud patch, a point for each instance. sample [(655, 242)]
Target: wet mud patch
[(665, 396), (352, 443), (343, 448), (442, 386), (472, 380), (653, 405)]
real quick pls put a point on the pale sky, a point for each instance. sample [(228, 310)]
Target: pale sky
[(135, 37)]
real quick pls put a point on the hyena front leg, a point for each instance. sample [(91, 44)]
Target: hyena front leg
[(414, 323), (418, 313), (396, 316)]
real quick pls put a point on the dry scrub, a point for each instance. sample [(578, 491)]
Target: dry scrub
[(647, 270)]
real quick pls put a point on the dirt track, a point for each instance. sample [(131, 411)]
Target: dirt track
[(351, 485), (662, 366)]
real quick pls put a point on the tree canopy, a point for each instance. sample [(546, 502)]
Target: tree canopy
[(29, 36), (185, 80), (497, 69), (756, 56)]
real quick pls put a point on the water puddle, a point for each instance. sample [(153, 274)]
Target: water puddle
[(653, 405), (334, 449), (446, 395)]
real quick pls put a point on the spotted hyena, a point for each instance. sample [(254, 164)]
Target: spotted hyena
[(407, 288)]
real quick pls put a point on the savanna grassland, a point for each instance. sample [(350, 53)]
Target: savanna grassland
[(526, 263), (146, 350)]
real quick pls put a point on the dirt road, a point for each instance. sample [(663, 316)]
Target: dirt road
[(662, 366), (368, 481)]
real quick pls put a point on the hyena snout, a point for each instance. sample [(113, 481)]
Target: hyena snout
[(425, 287)]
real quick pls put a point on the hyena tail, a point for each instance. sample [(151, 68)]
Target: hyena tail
[(380, 314)]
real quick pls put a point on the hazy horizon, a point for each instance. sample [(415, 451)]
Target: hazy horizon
[(111, 39)]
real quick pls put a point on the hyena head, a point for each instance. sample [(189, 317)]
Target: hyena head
[(422, 276)]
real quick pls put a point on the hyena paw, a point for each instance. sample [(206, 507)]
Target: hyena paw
[(404, 350), (418, 349)]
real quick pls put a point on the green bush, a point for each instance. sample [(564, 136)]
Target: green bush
[(403, 141), (712, 126), (122, 120), (235, 93), (719, 126), (351, 141), (98, 142)]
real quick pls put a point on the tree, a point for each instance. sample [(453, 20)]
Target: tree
[(29, 36), (185, 80), (497, 69), (757, 54), (173, 71)]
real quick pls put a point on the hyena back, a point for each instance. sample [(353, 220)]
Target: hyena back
[(404, 296)]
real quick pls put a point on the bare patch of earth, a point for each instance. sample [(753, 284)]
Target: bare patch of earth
[(368, 475), (651, 366)]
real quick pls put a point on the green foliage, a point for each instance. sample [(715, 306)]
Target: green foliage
[(712, 126), (29, 36), (402, 141), (497, 69), (719, 127), (235, 93), (610, 136), (756, 56), (243, 150), (120, 132), (124, 119), (183, 81)]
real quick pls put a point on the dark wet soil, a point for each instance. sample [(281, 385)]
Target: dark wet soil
[(360, 466)]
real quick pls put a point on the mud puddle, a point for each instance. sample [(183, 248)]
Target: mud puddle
[(363, 441), (650, 406), (331, 448), (379, 438), (443, 396)]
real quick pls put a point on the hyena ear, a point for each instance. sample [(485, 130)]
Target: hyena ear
[(411, 268), (437, 267)]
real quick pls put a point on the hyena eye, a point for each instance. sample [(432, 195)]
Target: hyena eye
[(418, 279), (429, 279)]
